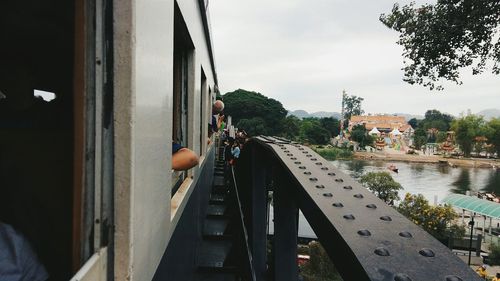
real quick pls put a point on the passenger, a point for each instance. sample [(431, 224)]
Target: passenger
[(482, 271), (235, 152), (217, 108), (497, 277), (18, 262), (183, 158)]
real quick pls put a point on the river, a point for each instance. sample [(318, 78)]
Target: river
[(433, 181)]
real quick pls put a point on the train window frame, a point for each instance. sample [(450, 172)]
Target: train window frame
[(183, 97)]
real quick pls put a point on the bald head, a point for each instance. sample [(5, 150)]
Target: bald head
[(217, 107)]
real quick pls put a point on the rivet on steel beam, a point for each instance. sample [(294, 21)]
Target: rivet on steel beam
[(305, 152), (313, 179), (453, 278), (302, 167), (402, 277), (339, 180), (289, 154), (371, 206), (283, 147), (297, 162), (308, 155), (319, 163), (426, 252), (307, 173), (327, 194), (359, 195), (349, 217), (331, 174), (364, 232), (386, 218), (381, 251), (320, 186), (348, 187), (314, 159), (324, 168), (338, 205), (287, 151), (405, 234), (293, 158), (301, 148)]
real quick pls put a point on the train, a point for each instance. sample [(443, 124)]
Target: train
[(92, 95)]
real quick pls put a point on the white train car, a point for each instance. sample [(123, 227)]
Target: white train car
[(92, 95)]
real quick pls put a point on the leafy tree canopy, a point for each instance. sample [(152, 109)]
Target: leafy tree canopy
[(440, 39), (466, 129), (360, 134), (382, 185), (243, 104), (352, 106), (493, 134), (433, 219), (311, 131)]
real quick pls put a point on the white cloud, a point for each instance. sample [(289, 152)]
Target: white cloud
[(304, 53)]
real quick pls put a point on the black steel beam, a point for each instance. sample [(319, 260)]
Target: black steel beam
[(365, 238)]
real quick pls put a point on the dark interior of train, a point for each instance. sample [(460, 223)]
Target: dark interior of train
[(36, 133)]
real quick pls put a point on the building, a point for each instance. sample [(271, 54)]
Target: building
[(383, 123)]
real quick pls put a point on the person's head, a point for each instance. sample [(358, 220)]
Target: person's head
[(498, 275), (483, 266), (217, 107)]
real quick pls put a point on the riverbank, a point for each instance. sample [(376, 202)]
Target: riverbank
[(429, 159)]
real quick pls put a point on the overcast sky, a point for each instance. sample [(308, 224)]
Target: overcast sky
[(305, 52)]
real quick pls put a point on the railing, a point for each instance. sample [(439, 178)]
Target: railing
[(365, 238)]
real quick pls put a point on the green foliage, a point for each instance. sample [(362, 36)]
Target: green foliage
[(254, 126), (352, 106), (319, 267), (413, 123), (312, 132), (493, 134), (440, 39), (433, 219), (360, 134), (494, 255), (435, 119), (334, 153), (419, 138), (466, 129), (243, 104), (382, 185), (291, 127), (332, 125)]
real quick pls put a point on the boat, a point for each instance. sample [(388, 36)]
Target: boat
[(393, 168)]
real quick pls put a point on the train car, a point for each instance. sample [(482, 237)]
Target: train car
[(92, 95)]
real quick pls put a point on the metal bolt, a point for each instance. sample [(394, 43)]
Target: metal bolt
[(331, 174), (319, 163), (364, 232), (386, 218), (426, 252), (348, 187), (381, 251), (320, 186), (324, 168), (314, 159), (359, 195), (405, 234), (371, 206), (338, 205), (453, 278), (302, 167), (307, 173), (327, 194), (349, 217), (297, 162), (313, 179), (339, 180)]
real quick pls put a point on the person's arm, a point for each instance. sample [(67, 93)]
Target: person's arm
[(184, 159)]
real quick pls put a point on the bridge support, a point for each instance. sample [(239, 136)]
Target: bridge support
[(285, 229), (258, 236)]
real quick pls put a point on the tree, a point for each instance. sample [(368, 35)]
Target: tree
[(440, 39), (436, 220), (466, 129), (352, 106), (435, 119), (312, 131), (254, 126), (382, 184), (291, 127), (413, 123), (493, 134), (243, 104), (360, 134), (419, 138), (331, 125)]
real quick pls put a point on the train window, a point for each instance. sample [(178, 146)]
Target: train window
[(183, 69), (37, 136)]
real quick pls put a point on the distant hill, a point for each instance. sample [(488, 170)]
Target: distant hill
[(320, 114), (489, 113)]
